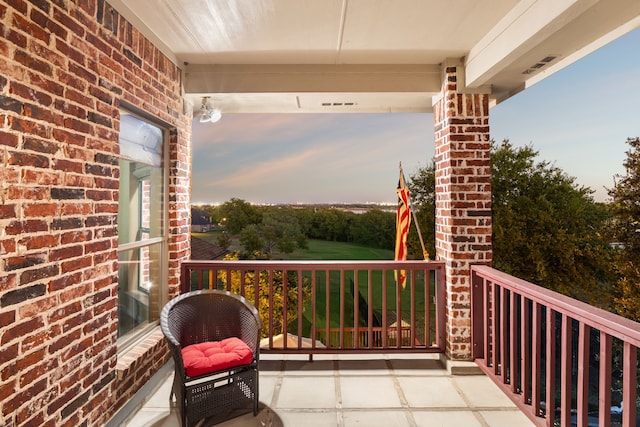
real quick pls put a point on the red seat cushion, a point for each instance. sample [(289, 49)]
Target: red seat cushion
[(212, 356)]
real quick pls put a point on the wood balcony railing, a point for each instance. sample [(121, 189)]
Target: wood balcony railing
[(563, 362), (334, 306)]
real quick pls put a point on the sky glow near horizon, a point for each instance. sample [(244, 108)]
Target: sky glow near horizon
[(578, 119)]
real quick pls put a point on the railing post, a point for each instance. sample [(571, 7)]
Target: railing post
[(185, 278), (477, 316)]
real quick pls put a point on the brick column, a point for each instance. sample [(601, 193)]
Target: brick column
[(463, 200)]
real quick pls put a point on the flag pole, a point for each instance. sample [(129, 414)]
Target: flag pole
[(425, 254)]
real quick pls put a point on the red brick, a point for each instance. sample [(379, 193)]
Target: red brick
[(38, 274), (37, 339), (66, 396), (64, 311), (72, 180), (79, 153), (98, 246), (29, 376), (75, 236), (26, 417), (70, 52), (66, 252), (6, 390), (7, 211), (84, 348), (28, 126), (64, 135), (79, 319), (24, 261), (28, 93), (39, 241), (101, 195), (70, 109), (21, 329), (40, 177), (23, 396), (40, 305), (40, 209), (61, 341), (76, 264), (8, 139), (67, 165), (28, 27), (66, 281), (27, 192)]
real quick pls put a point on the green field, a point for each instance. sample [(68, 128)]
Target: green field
[(341, 295), (317, 250)]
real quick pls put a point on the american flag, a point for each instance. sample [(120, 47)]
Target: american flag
[(403, 220)]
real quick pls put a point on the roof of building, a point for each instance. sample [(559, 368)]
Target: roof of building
[(203, 250), (199, 217)]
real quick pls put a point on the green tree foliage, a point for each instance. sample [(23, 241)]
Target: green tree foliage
[(224, 240), (331, 224), (251, 240), (236, 214), (271, 296), (625, 229), (546, 228), (375, 228), (280, 228), (422, 190)]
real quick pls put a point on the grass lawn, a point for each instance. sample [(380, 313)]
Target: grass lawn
[(325, 250), (317, 250)]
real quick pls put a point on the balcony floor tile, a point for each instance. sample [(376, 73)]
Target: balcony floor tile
[(357, 390)]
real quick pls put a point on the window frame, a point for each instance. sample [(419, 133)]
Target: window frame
[(131, 338)]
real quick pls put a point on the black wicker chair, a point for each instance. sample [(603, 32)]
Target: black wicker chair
[(207, 316)]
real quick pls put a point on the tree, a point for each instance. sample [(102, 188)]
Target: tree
[(251, 239), (374, 228), (224, 240), (422, 190), (236, 214), (546, 228), (279, 229), (267, 299), (332, 224), (625, 229)]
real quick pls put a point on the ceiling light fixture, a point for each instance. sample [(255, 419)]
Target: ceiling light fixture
[(209, 114)]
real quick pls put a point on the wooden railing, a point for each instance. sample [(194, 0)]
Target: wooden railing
[(563, 362), (334, 306), (379, 336)]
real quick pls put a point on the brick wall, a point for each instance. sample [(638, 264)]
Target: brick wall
[(463, 201), (66, 67)]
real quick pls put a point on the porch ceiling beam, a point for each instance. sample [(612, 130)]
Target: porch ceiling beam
[(509, 56), (240, 78), (526, 26)]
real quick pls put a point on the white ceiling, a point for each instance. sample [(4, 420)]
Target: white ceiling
[(369, 55)]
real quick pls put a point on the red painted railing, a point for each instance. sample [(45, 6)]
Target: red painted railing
[(561, 361), (335, 306)]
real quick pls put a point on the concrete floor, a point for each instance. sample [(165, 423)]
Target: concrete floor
[(358, 390)]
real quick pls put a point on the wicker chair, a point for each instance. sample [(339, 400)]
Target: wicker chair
[(211, 316)]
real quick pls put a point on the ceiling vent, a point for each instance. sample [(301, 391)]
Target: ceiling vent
[(540, 64), (338, 104)]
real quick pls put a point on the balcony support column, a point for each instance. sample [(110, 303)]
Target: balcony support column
[(463, 198)]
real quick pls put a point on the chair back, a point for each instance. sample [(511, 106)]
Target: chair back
[(210, 315)]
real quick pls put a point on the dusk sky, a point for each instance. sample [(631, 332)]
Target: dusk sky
[(578, 119)]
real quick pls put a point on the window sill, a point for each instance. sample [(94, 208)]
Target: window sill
[(141, 352)]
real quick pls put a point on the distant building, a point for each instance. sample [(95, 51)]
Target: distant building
[(202, 250), (200, 221)]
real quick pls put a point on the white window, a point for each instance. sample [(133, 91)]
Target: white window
[(142, 272)]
